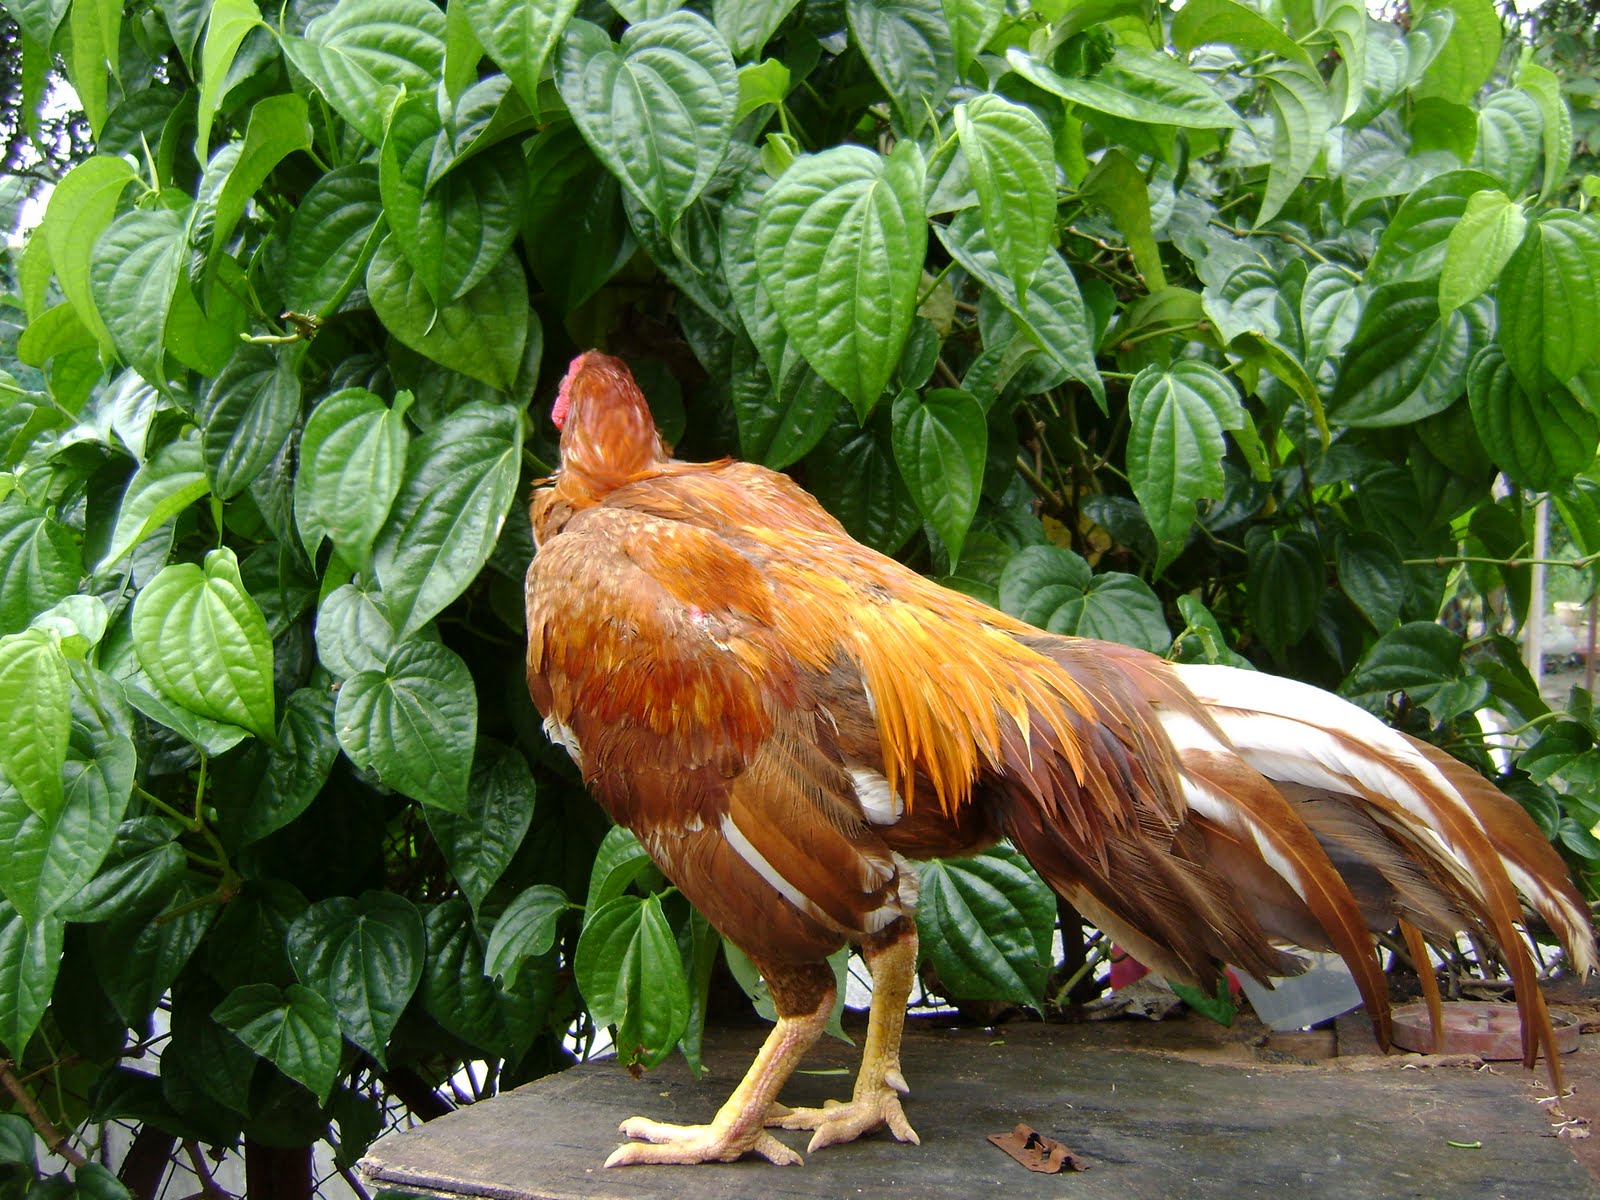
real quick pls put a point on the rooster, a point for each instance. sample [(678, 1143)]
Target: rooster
[(787, 719)]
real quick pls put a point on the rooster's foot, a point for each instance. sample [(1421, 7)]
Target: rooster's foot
[(844, 1121), (684, 1144)]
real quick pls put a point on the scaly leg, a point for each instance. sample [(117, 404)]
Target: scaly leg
[(892, 958), (804, 998)]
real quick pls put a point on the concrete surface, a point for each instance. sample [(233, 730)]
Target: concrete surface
[(1172, 1110)]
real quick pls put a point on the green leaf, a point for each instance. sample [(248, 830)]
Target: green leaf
[(907, 45), (780, 425), (1346, 22), (1414, 245), (39, 564), (134, 276), (853, 473), (459, 482), (1541, 440), (141, 953), (1422, 661), (1510, 131), (1012, 164), (1117, 186), (204, 642), (1302, 113), (940, 443), (659, 111), (38, 18), (575, 231), (453, 230), (30, 957), (143, 864), (247, 413), (1556, 127), (1483, 240), (1468, 56), (360, 54), (483, 334), (1053, 313), (479, 843), (1330, 309), (365, 957), (413, 724), (748, 25), (278, 126), (96, 33), (1547, 300), (527, 929), (987, 923), (1372, 575), (226, 28), (972, 24), (52, 857), (1284, 582), (761, 83), (80, 208), (293, 1028), (619, 861), (631, 975), (519, 36), (1229, 23), (332, 235), (352, 458), (455, 990), (840, 244), (1406, 361), (35, 721), (288, 774), (353, 632), (1175, 446), (1137, 85), (1054, 589)]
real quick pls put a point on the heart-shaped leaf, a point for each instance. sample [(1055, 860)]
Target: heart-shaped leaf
[(352, 456), (519, 35), (295, 1029), (940, 442)]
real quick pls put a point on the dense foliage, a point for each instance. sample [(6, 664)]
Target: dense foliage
[(1222, 322)]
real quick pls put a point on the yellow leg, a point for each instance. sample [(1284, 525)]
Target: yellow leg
[(740, 1124), (875, 1102)]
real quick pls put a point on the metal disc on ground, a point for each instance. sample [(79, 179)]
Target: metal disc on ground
[(1491, 1031)]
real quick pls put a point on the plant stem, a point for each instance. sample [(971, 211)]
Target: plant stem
[(55, 1141)]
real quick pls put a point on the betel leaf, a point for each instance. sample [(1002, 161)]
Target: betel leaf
[(1547, 299), (459, 482), (479, 843), (204, 643), (631, 975), (1302, 113), (1372, 575), (1540, 439), (1483, 240), (1509, 138), (248, 412), (1422, 661), (1284, 580), (30, 958), (907, 45), (455, 991), (1175, 446), (1053, 314), (352, 458), (483, 334), (35, 719), (1414, 243), (1330, 308), (526, 929), (987, 923), (1055, 589), (1545, 87), (227, 25), (839, 244), (141, 952), (658, 110), (452, 230), (853, 473), (1467, 58), (353, 631), (1229, 23), (80, 207), (293, 1028), (780, 424), (278, 126), (1012, 165), (1118, 186), (519, 36), (1407, 360), (413, 724), (39, 564), (940, 442), (332, 235), (1137, 85), (748, 25), (361, 52), (366, 957), (287, 775), (617, 863), (134, 276)]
